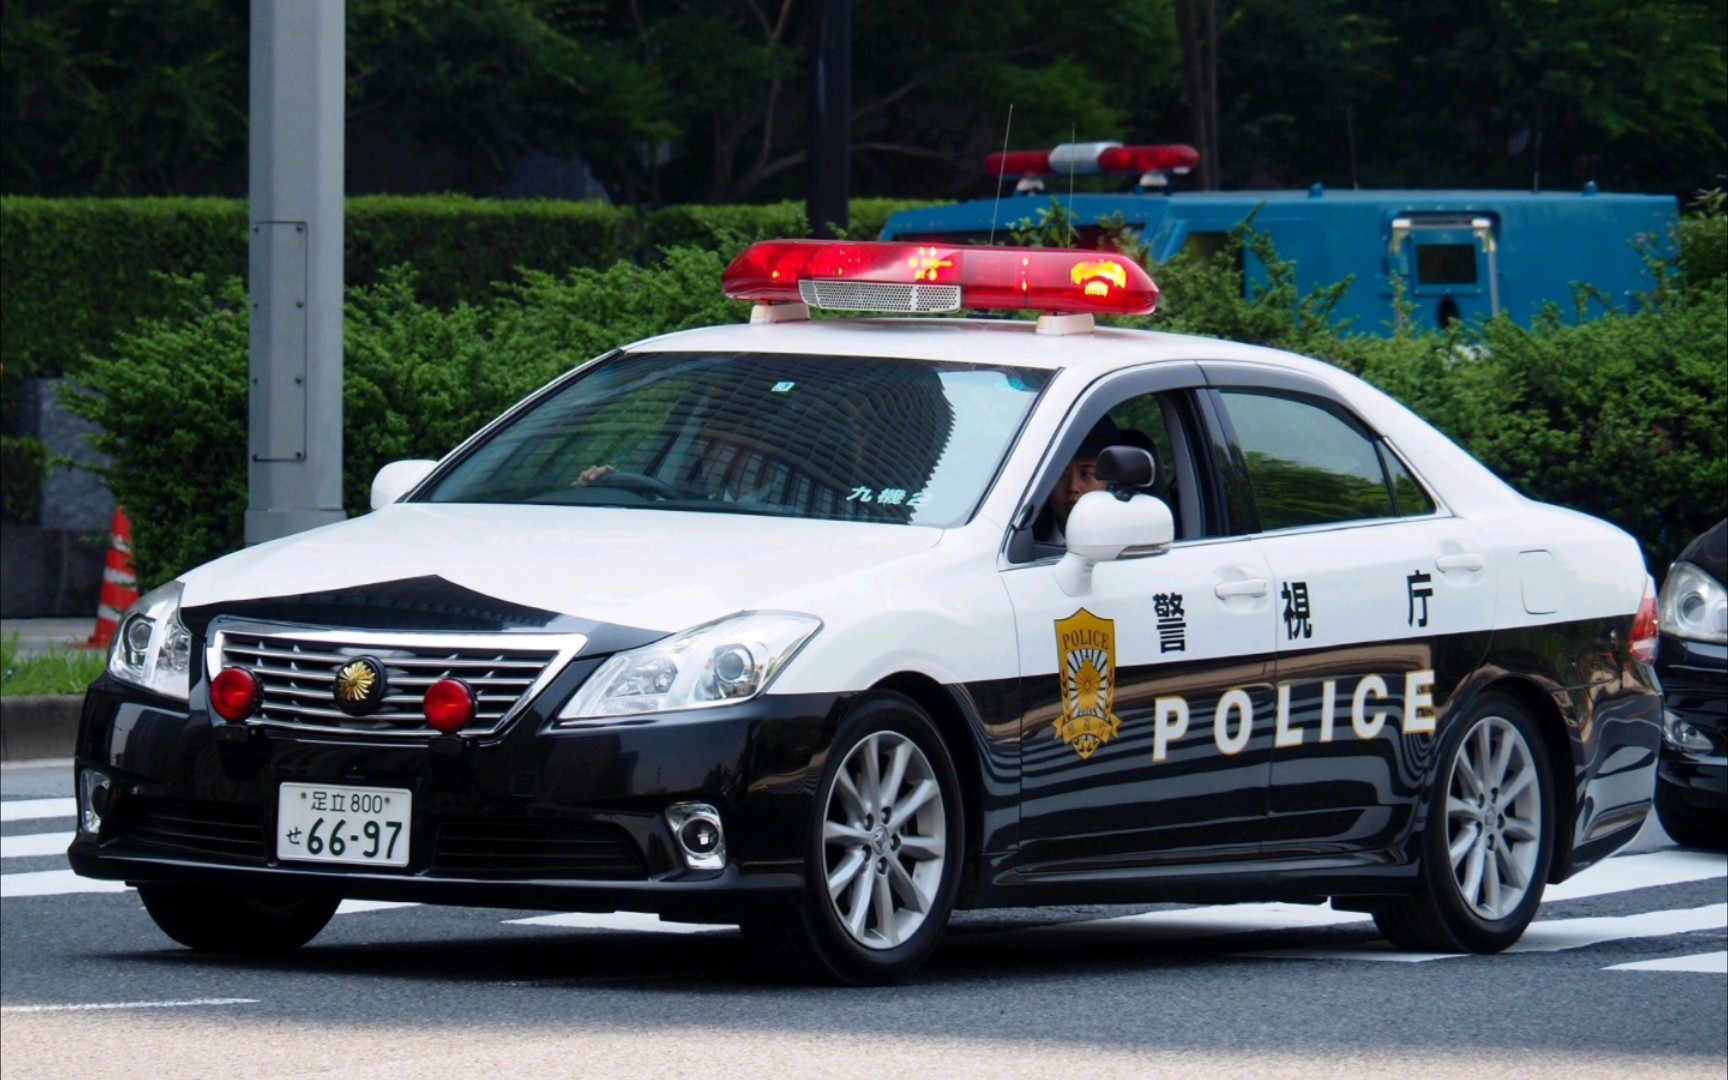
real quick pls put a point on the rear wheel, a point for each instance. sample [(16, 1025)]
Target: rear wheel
[(1488, 843), (883, 854), (1688, 825), (219, 920)]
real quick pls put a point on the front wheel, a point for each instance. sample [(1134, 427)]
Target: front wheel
[(883, 854), (1488, 842), (219, 920)]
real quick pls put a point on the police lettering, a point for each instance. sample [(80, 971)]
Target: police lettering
[(1233, 719)]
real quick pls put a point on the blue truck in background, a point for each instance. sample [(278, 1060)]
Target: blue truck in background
[(1463, 255)]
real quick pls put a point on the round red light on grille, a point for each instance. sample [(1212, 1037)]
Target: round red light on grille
[(235, 694), (449, 705)]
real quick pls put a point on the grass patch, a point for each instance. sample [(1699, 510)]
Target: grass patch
[(57, 671)]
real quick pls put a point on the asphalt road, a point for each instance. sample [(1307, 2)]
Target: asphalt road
[(90, 988)]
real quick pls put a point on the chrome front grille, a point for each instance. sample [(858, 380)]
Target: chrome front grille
[(297, 668)]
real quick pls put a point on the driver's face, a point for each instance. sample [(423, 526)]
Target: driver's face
[(1076, 480)]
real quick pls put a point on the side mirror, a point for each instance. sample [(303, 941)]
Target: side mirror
[(1104, 527), (397, 479), (1126, 469)]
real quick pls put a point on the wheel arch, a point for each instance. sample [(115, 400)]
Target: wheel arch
[(956, 726), (1562, 757)]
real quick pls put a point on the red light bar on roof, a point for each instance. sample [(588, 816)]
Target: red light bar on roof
[(924, 278), (1088, 159)]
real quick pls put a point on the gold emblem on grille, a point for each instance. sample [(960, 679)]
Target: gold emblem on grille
[(355, 682)]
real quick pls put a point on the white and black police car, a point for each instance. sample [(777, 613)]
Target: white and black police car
[(827, 628)]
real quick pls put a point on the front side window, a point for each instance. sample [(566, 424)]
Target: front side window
[(879, 440), (1306, 464)]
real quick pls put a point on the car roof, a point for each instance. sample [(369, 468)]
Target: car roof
[(1462, 481)]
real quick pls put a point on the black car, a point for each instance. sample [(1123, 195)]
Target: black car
[(1692, 662)]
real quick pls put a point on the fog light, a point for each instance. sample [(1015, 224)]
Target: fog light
[(700, 838), (1682, 733), (93, 792), (235, 694)]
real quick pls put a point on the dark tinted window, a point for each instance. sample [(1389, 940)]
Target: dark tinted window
[(1413, 501), (1306, 465), (1446, 264)]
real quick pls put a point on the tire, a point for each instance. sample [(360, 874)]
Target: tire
[(1688, 825), (219, 920), (1485, 854), (893, 882)]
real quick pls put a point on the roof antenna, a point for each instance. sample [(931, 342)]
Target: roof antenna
[(1001, 171), (1073, 133)]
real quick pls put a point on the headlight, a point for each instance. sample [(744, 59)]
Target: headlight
[(720, 663), (152, 648), (1693, 605)]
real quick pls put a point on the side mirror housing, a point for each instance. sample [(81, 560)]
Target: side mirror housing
[(1104, 527), (397, 479)]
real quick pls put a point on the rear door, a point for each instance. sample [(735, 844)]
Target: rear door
[(1384, 605), (1449, 264)]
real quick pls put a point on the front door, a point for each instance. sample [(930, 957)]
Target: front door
[(1146, 736)]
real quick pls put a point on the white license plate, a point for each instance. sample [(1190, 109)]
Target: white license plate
[(332, 823)]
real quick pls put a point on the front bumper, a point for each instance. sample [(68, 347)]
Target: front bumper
[(530, 817), (1695, 690)]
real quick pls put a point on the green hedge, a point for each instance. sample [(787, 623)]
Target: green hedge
[(23, 464), (1625, 416), (75, 272)]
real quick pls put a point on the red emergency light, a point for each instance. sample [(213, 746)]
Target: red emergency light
[(1090, 159), (924, 278)]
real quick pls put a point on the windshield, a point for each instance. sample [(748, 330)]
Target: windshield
[(842, 439)]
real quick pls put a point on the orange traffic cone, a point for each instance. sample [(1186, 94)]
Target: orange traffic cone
[(119, 584)]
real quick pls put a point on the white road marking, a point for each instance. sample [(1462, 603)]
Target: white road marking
[(35, 809), (194, 1003), (1554, 935), (33, 844), (617, 920), (1709, 963), (1620, 874), (1626, 872), (1548, 935), (53, 883), (359, 907)]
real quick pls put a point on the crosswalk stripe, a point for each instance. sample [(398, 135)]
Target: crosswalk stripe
[(1547, 935), (360, 907), (97, 1005), (617, 920), (32, 844), (35, 809), (53, 883), (1625, 872), (1709, 963)]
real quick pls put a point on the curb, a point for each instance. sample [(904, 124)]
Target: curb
[(32, 728)]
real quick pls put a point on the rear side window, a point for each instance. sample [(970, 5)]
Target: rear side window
[(1412, 499), (1306, 464)]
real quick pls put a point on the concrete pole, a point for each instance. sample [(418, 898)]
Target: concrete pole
[(830, 154), (295, 269)]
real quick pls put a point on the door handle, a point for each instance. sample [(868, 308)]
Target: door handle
[(1460, 562), (1249, 587)]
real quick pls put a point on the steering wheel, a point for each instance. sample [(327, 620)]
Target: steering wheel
[(638, 483)]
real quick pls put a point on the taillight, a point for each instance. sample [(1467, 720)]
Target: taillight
[(449, 705), (235, 694), (1645, 633)]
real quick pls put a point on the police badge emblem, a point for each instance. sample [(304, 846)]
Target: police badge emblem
[(360, 686), (1086, 659)]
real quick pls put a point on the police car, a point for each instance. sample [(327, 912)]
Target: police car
[(828, 627)]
